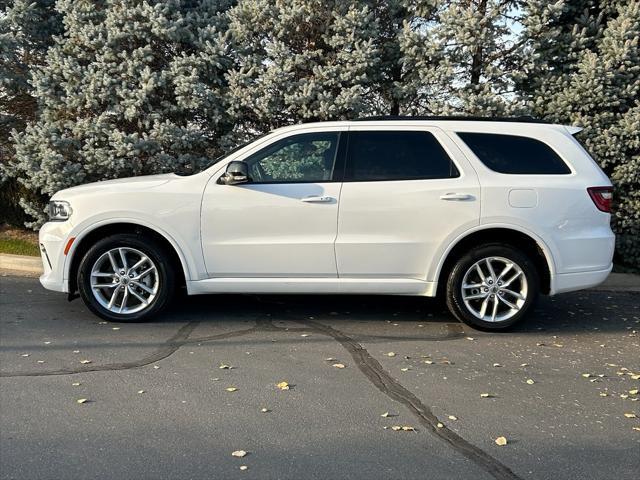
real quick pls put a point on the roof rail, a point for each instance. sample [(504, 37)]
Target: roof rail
[(525, 119)]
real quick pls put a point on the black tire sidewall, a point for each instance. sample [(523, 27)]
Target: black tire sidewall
[(454, 285), (147, 246)]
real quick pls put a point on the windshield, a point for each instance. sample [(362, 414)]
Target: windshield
[(230, 152), (190, 168)]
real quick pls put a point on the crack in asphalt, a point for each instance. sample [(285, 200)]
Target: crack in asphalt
[(383, 381), (168, 348), (368, 365)]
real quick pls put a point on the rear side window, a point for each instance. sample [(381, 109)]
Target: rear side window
[(515, 155), (396, 155)]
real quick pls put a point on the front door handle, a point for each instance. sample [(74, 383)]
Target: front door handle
[(456, 196), (314, 199)]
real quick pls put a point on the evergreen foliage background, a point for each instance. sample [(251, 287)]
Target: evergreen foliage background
[(98, 89)]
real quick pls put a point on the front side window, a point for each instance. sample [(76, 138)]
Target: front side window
[(514, 154), (396, 155), (308, 157)]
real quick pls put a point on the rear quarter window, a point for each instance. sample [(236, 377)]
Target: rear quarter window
[(515, 155)]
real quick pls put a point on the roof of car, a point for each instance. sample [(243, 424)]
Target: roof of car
[(521, 119), (513, 125)]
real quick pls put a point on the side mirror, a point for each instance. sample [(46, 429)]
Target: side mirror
[(237, 172)]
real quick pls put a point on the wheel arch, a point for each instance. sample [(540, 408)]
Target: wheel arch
[(526, 241), (88, 237)]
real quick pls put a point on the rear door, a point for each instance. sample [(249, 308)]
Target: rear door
[(407, 191)]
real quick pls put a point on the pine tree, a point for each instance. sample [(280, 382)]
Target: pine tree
[(586, 72), (301, 60), (132, 87), (466, 56), (27, 28)]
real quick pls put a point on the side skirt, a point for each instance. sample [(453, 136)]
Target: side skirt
[(368, 286)]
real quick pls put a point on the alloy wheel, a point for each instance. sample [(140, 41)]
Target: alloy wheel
[(494, 289), (124, 280)]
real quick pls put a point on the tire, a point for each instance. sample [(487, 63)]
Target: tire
[(156, 286), (468, 306)]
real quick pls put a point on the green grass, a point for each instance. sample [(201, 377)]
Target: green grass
[(17, 246)]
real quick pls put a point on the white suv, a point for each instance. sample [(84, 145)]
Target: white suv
[(488, 213)]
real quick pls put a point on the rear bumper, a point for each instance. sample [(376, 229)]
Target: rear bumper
[(569, 282)]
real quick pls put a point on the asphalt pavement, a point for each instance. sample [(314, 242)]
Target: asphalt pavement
[(378, 388)]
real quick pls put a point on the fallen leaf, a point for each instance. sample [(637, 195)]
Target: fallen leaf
[(396, 428), (604, 394), (452, 417), (391, 354), (264, 410), (76, 351), (156, 367), (524, 364), (76, 384), (405, 369), (408, 428), (530, 382), (225, 367), (283, 386), (486, 395), (25, 355), (39, 361), (339, 365), (586, 375), (630, 415), (633, 392), (243, 467), (636, 377), (470, 338), (231, 389), (637, 429), (140, 391), (502, 441), (239, 453), (497, 365), (440, 425), (330, 359), (47, 343), (85, 361), (82, 400), (428, 362)]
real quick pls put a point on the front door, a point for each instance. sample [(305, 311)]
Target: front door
[(402, 198), (283, 223)]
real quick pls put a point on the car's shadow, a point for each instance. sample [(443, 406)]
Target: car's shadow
[(573, 312)]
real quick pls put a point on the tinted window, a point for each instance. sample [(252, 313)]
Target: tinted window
[(309, 157), (396, 156), (515, 155)]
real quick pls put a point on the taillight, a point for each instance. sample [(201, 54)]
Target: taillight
[(602, 197)]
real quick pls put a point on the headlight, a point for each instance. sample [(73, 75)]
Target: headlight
[(59, 211)]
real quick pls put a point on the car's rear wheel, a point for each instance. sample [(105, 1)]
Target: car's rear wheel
[(126, 278), (492, 287)]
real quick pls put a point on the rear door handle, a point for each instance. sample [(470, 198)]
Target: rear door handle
[(313, 199), (456, 196)]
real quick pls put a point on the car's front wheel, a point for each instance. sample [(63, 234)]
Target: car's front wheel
[(126, 278), (492, 287)]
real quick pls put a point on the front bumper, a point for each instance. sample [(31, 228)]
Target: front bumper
[(53, 238)]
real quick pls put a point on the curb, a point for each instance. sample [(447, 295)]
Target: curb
[(22, 265)]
